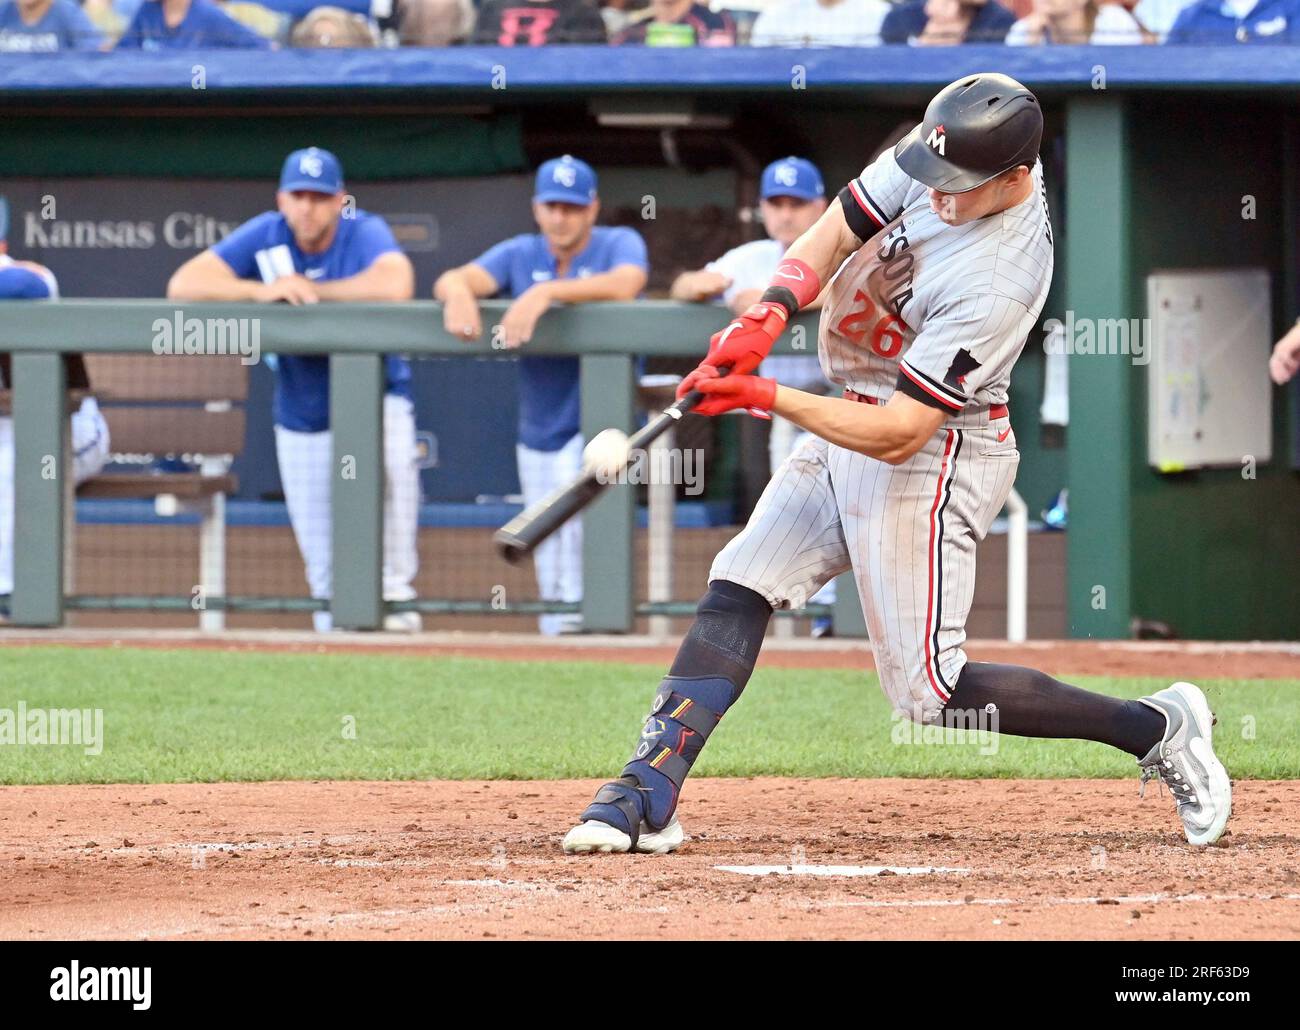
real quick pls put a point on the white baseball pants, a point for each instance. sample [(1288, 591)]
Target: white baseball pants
[(306, 466), (90, 445), (908, 532), (557, 560)]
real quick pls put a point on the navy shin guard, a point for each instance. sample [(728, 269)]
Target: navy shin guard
[(711, 669)]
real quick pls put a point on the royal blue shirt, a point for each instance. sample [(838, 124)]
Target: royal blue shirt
[(204, 25), (302, 382), (22, 284), (63, 27), (1211, 21), (549, 410), (907, 19)]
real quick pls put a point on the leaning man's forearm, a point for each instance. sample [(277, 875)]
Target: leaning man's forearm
[(201, 290)]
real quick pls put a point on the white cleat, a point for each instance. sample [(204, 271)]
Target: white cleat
[(1185, 761), (403, 622), (593, 836)]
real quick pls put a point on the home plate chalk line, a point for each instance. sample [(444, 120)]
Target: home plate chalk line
[(1123, 899), (837, 870)]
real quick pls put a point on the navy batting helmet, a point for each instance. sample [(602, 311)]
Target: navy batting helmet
[(974, 129)]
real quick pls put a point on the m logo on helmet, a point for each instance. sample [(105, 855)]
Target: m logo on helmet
[(937, 139)]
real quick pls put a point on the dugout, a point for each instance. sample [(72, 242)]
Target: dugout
[(1150, 153)]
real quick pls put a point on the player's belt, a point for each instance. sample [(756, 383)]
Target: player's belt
[(996, 411)]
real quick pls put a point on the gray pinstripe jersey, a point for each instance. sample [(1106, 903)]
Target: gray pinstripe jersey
[(948, 306)]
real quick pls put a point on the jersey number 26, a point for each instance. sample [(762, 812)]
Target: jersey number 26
[(885, 330)]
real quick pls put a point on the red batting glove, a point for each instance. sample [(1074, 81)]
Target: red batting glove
[(756, 394), (742, 345)]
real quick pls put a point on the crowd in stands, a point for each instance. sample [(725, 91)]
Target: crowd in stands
[(32, 26)]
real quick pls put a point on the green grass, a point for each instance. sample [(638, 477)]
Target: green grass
[(175, 716)]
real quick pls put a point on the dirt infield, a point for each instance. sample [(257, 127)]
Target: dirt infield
[(1031, 859), (932, 859)]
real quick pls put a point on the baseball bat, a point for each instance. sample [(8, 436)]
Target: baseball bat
[(518, 537)]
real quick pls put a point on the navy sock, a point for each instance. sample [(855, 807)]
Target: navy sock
[(725, 638), (1031, 704)]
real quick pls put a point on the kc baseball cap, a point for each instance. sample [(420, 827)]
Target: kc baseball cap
[(565, 179), (312, 169), (792, 177)]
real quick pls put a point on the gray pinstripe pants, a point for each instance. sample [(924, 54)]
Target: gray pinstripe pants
[(909, 533)]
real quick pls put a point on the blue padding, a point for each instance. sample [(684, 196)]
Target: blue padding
[(686, 69), (141, 512), (485, 516), (695, 515), (690, 514)]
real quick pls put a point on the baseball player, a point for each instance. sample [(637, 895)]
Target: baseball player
[(571, 261), (306, 252), (949, 257), (791, 198), (27, 280)]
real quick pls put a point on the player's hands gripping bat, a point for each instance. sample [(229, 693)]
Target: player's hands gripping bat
[(742, 345), (748, 339), (755, 394)]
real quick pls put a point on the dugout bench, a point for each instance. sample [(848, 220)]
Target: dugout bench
[(195, 411)]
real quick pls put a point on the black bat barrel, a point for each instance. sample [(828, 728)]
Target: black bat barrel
[(518, 537)]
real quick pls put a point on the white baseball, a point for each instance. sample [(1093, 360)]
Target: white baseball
[(607, 452)]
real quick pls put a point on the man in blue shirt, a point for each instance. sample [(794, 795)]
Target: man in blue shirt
[(43, 26), (186, 25), (571, 261), (1238, 21), (307, 252)]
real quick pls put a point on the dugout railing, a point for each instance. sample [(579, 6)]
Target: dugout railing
[(608, 339)]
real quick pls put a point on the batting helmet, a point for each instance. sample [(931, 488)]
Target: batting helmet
[(974, 129)]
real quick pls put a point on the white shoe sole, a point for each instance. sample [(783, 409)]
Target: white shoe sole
[(595, 836), (1220, 784)]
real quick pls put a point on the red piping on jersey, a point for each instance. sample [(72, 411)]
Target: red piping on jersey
[(929, 595), (856, 190), (937, 396)]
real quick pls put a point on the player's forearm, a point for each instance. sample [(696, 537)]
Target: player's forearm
[(202, 285), (620, 284), (392, 281), (868, 429), (458, 284), (691, 287)]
